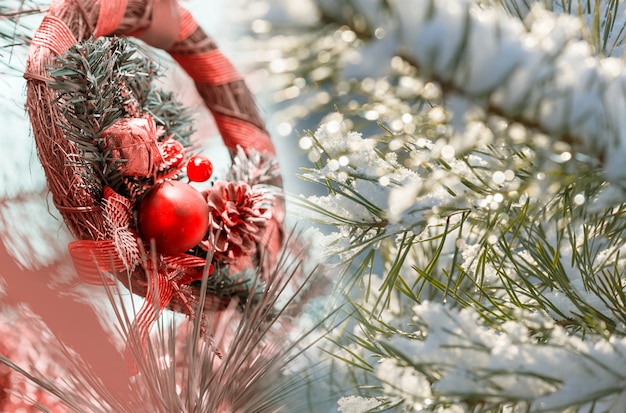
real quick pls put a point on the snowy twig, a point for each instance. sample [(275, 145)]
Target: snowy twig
[(542, 73)]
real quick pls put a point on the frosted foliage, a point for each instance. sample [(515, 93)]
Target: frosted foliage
[(403, 382), (565, 297), (562, 302), (480, 196), (462, 357), (470, 261), (349, 154), (392, 311), (338, 205), (411, 203), (452, 350), (544, 74), (403, 198), (359, 150), (380, 181), (408, 209)]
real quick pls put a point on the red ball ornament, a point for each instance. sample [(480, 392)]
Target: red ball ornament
[(175, 215), (199, 168)]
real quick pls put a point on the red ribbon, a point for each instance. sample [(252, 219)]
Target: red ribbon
[(110, 16), (94, 261)]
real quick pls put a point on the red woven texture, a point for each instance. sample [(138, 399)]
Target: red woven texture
[(111, 14), (188, 24), (210, 67), (54, 35), (235, 132)]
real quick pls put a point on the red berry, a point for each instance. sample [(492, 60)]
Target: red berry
[(199, 168), (173, 214), (173, 153)]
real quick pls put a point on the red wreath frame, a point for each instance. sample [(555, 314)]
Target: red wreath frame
[(219, 84)]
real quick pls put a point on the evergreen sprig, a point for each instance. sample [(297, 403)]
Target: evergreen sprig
[(540, 247), (492, 221), (502, 230), (99, 82)]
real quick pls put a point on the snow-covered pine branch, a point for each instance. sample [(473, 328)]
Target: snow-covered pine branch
[(540, 71), (531, 365), (443, 204)]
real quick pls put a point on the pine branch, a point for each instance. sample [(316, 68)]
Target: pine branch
[(100, 82), (570, 101), (477, 228), (476, 370), (223, 360)]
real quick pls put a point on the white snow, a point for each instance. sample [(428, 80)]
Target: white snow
[(467, 358), (546, 74), (357, 404)]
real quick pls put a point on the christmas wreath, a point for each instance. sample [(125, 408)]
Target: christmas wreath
[(116, 153)]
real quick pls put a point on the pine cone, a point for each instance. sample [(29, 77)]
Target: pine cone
[(239, 216)]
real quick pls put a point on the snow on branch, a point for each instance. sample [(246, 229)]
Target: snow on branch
[(539, 71), (466, 361)]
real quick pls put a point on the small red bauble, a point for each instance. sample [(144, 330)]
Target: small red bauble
[(199, 168), (175, 215)]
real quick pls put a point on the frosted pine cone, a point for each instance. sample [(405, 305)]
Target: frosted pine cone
[(239, 216), (254, 168)]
